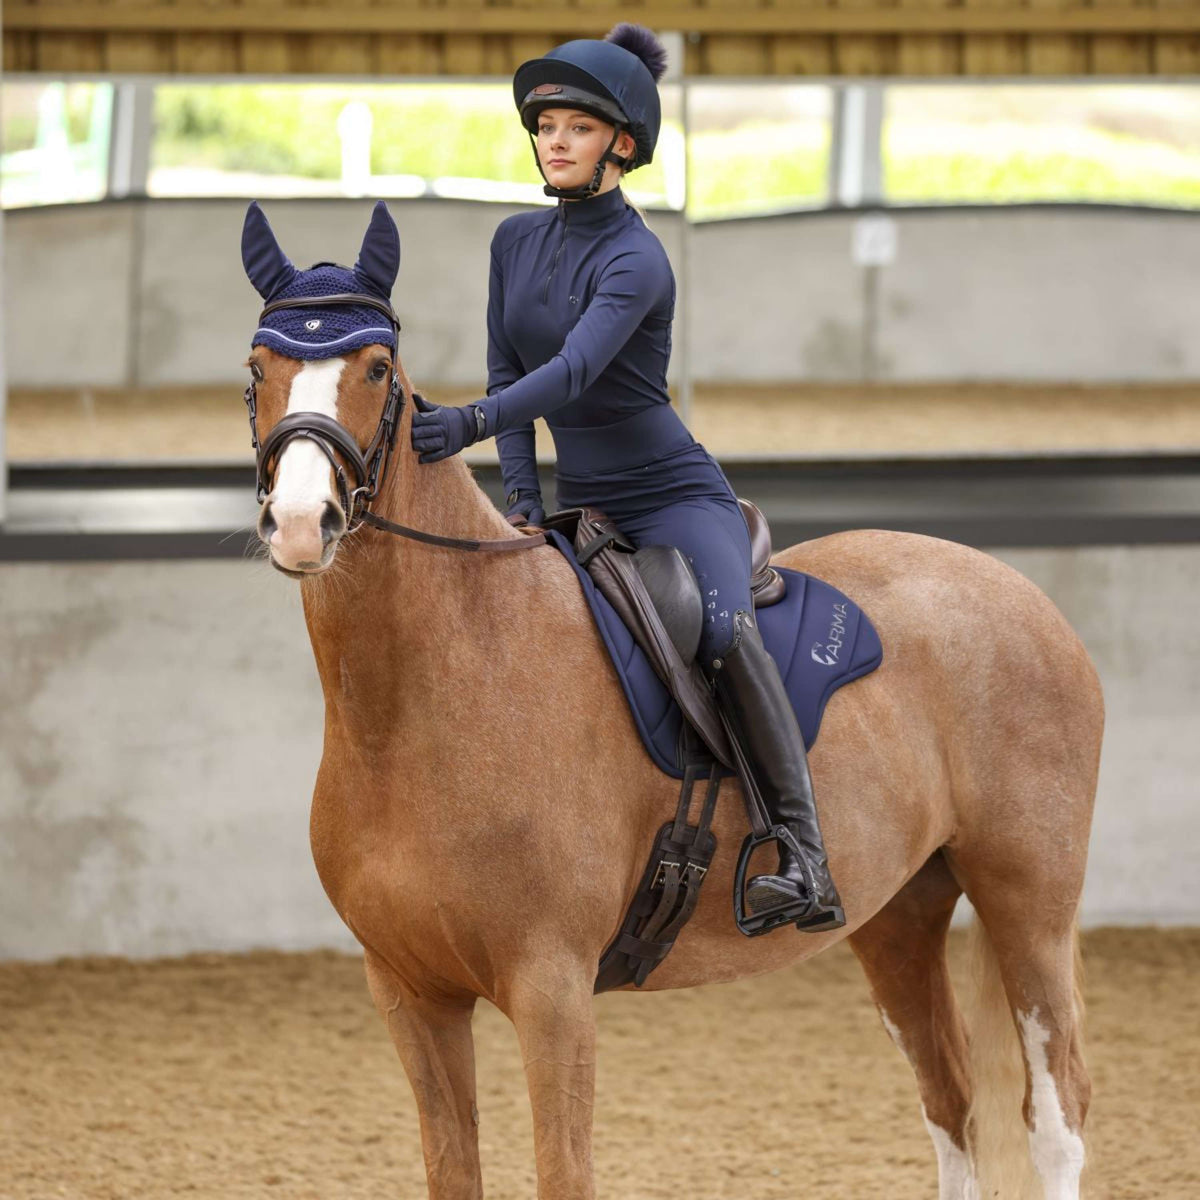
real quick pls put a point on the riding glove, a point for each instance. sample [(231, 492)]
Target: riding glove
[(439, 431), (525, 508)]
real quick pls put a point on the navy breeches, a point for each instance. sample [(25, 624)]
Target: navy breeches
[(712, 534)]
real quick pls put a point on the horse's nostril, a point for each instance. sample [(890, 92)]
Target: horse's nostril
[(266, 523), (333, 523)]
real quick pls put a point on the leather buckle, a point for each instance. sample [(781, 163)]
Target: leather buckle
[(660, 873)]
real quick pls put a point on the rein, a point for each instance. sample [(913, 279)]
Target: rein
[(368, 467), (485, 546)]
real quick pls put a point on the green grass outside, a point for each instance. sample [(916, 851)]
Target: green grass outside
[(758, 168), (1014, 163), (471, 131)]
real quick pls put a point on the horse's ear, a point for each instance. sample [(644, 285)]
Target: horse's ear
[(379, 258), (268, 267)]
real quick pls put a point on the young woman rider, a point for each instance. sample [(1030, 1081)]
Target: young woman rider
[(579, 332)]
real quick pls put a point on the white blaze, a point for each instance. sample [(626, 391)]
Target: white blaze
[(302, 478), (1057, 1152)]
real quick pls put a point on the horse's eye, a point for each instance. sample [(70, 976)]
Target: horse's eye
[(256, 372), (379, 372)]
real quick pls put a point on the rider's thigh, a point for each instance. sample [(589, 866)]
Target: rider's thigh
[(713, 537)]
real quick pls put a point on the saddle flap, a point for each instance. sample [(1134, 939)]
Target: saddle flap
[(676, 595), (604, 553)]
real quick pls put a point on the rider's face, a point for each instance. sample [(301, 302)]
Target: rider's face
[(570, 143)]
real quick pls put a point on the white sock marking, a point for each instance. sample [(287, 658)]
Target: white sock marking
[(302, 480), (893, 1032), (956, 1175), (1057, 1152)]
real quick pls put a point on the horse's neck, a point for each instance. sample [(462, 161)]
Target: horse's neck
[(392, 612)]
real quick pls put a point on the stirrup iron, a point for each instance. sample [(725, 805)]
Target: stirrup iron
[(796, 912)]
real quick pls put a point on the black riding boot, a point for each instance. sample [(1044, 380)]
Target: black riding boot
[(753, 698)]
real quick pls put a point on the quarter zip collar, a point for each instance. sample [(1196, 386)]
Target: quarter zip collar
[(602, 209)]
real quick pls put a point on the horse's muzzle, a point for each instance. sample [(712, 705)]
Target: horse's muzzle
[(301, 543)]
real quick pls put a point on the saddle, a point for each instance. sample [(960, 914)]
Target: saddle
[(655, 593), (651, 629)]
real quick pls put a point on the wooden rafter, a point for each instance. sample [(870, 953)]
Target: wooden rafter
[(403, 16), (915, 38)]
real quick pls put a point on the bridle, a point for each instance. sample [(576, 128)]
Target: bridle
[(368, 467), (329, 436)]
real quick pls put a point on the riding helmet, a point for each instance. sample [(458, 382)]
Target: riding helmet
[(614, 80)]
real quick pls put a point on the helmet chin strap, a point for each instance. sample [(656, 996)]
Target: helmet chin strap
[(588, 190)]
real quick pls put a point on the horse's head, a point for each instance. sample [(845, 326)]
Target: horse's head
[(325, 394)]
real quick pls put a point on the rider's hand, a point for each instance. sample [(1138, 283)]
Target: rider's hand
[(525, 508), (439, 431)]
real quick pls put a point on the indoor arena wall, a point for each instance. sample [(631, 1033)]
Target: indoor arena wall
[(162, 723), (133, 294)]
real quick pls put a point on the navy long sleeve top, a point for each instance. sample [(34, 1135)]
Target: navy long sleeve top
[(580, 302)]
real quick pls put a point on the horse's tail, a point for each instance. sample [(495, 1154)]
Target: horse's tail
[(1001, 1145)]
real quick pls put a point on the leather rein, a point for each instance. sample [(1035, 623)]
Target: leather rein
[(368, 468)]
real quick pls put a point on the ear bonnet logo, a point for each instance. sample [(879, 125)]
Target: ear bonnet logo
[(311, 325)]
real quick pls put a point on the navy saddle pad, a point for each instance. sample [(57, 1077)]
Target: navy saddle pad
[(819, 638)]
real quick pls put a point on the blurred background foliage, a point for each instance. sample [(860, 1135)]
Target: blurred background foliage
[(1135, 144), (282, 129), (752, 148), (21, 113)]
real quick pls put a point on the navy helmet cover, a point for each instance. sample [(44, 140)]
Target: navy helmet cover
[(606, 71)]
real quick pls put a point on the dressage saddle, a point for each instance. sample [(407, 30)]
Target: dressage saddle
[(655, 593)]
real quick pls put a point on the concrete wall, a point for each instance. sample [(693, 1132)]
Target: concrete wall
[(161, 729), (136, 293)]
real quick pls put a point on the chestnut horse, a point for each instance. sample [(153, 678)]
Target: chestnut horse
[(484, 805)]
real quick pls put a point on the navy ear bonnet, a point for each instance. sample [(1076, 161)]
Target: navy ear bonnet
[(624, 77), (315, 332)]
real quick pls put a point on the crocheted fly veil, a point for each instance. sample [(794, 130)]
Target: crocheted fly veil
[(316, 332)]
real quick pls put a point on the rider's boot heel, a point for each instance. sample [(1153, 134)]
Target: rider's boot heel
[(765, 892), (753, 697)]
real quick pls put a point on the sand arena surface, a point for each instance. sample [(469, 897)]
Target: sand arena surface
[(270, 1075), (802, 420)]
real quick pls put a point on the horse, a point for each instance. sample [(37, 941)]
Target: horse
[(483, 806)]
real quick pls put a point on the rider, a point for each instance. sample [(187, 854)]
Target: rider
[(580, 304)]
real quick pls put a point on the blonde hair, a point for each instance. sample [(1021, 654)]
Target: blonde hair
[(630, 204)]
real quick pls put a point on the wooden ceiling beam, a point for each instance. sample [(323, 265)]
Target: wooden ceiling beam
[(234, 16)]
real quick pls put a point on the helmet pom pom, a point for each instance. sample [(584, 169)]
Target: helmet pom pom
[(638, 40)]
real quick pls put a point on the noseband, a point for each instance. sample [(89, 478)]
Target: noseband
[(369, 467)]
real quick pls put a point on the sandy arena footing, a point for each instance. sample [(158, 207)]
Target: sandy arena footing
[(270, 1076)]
